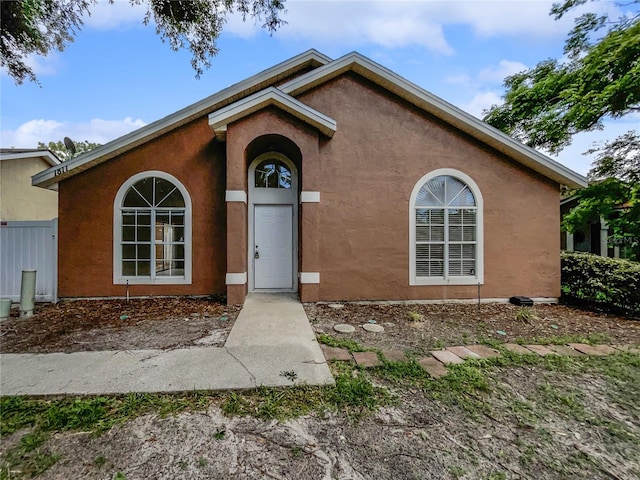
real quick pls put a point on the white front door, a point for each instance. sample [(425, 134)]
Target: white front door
[(273, 247)]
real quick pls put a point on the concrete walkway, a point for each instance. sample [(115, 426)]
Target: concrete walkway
[(271, 335)]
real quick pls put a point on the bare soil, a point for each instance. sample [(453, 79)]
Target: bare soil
[(536, 423), (417, 439), (420, 328), (91, 325), (166, 323)]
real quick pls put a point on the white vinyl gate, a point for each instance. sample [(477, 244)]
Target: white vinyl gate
[(29, 246)]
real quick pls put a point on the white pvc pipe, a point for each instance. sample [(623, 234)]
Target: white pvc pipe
[(27, 293)]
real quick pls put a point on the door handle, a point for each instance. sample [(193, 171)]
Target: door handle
[(257, 254)]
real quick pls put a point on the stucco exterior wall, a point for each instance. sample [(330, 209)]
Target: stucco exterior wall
[(366, 173), (86, 224), (19, 200)]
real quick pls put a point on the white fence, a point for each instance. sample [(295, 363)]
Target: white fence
[(29, 246)]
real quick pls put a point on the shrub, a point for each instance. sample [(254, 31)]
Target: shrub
[(608, 284)]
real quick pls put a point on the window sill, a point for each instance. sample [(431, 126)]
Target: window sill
[(149, 281), (442, 281)]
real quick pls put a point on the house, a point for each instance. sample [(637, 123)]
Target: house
[(336, 179), (19, 200), (594, 237)]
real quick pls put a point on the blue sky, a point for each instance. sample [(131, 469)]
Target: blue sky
[(118, 76)]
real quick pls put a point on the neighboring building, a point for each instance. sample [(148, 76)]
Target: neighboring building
[(592, 238), (336, 179), (19, 200)]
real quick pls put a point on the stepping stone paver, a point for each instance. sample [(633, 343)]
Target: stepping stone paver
[(540, 350), (484, 352), (372, 327), (366, 359), (344, 328), (463, 352), (433, 367), (598, 350), (564, 350), (447, 357), (335, 306), (515, 348), (335, 353), (394, 355), (627, 348)]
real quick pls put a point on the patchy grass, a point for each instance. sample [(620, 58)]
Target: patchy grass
[(590, 338), (350, 345)]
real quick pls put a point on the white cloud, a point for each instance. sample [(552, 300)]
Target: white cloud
[(109, 16), (497, 73), (96, 130), (480, 102), (399, 24)]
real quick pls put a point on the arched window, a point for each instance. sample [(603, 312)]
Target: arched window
[(272, 174), (152, 230), (446, 230)]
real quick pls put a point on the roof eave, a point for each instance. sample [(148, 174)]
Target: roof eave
[(47, 155), (440, 109), (219, 119), (311, 58)]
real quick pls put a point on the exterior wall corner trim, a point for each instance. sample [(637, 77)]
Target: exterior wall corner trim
[(309, 277), (236, 278)]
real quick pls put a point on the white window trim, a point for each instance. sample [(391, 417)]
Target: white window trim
[(478, 278), (118, 278)]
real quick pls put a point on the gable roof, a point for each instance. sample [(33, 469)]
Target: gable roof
[(309, 59), (19, 153), (439, 108), (271, 96), (246, 97)]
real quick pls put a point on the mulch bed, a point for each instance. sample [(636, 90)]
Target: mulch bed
[(89, 325), (421, 328)]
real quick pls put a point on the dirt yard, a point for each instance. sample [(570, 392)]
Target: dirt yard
[(89, 325), (167, 323), (420, 328), (543, 418)]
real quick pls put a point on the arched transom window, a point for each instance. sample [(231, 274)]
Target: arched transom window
[(446, 230), (152, 231), (272, 174)]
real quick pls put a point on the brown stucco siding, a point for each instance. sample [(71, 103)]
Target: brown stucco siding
[(86, 215), (367, 171)]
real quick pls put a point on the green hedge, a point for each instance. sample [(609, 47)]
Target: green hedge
[(604, 283)]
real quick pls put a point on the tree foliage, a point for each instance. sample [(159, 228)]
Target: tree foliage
[(41, 27), (600, 78), (61, 151)]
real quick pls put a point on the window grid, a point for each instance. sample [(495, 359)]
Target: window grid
[(446, 240), (152, 239)]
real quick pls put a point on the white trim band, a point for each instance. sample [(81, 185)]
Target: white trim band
[(309, 197), (309, 277), (235, 196), (236, 278)]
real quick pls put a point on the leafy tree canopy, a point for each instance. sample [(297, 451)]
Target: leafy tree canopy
[(42, 26), (600, 78), (63, 153)]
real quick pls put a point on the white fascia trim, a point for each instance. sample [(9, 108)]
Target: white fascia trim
[(235, 196), (309, 197), (236, 278), (224, 97), (47, 155), (309, 277), (439, 108), (268, 97)]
